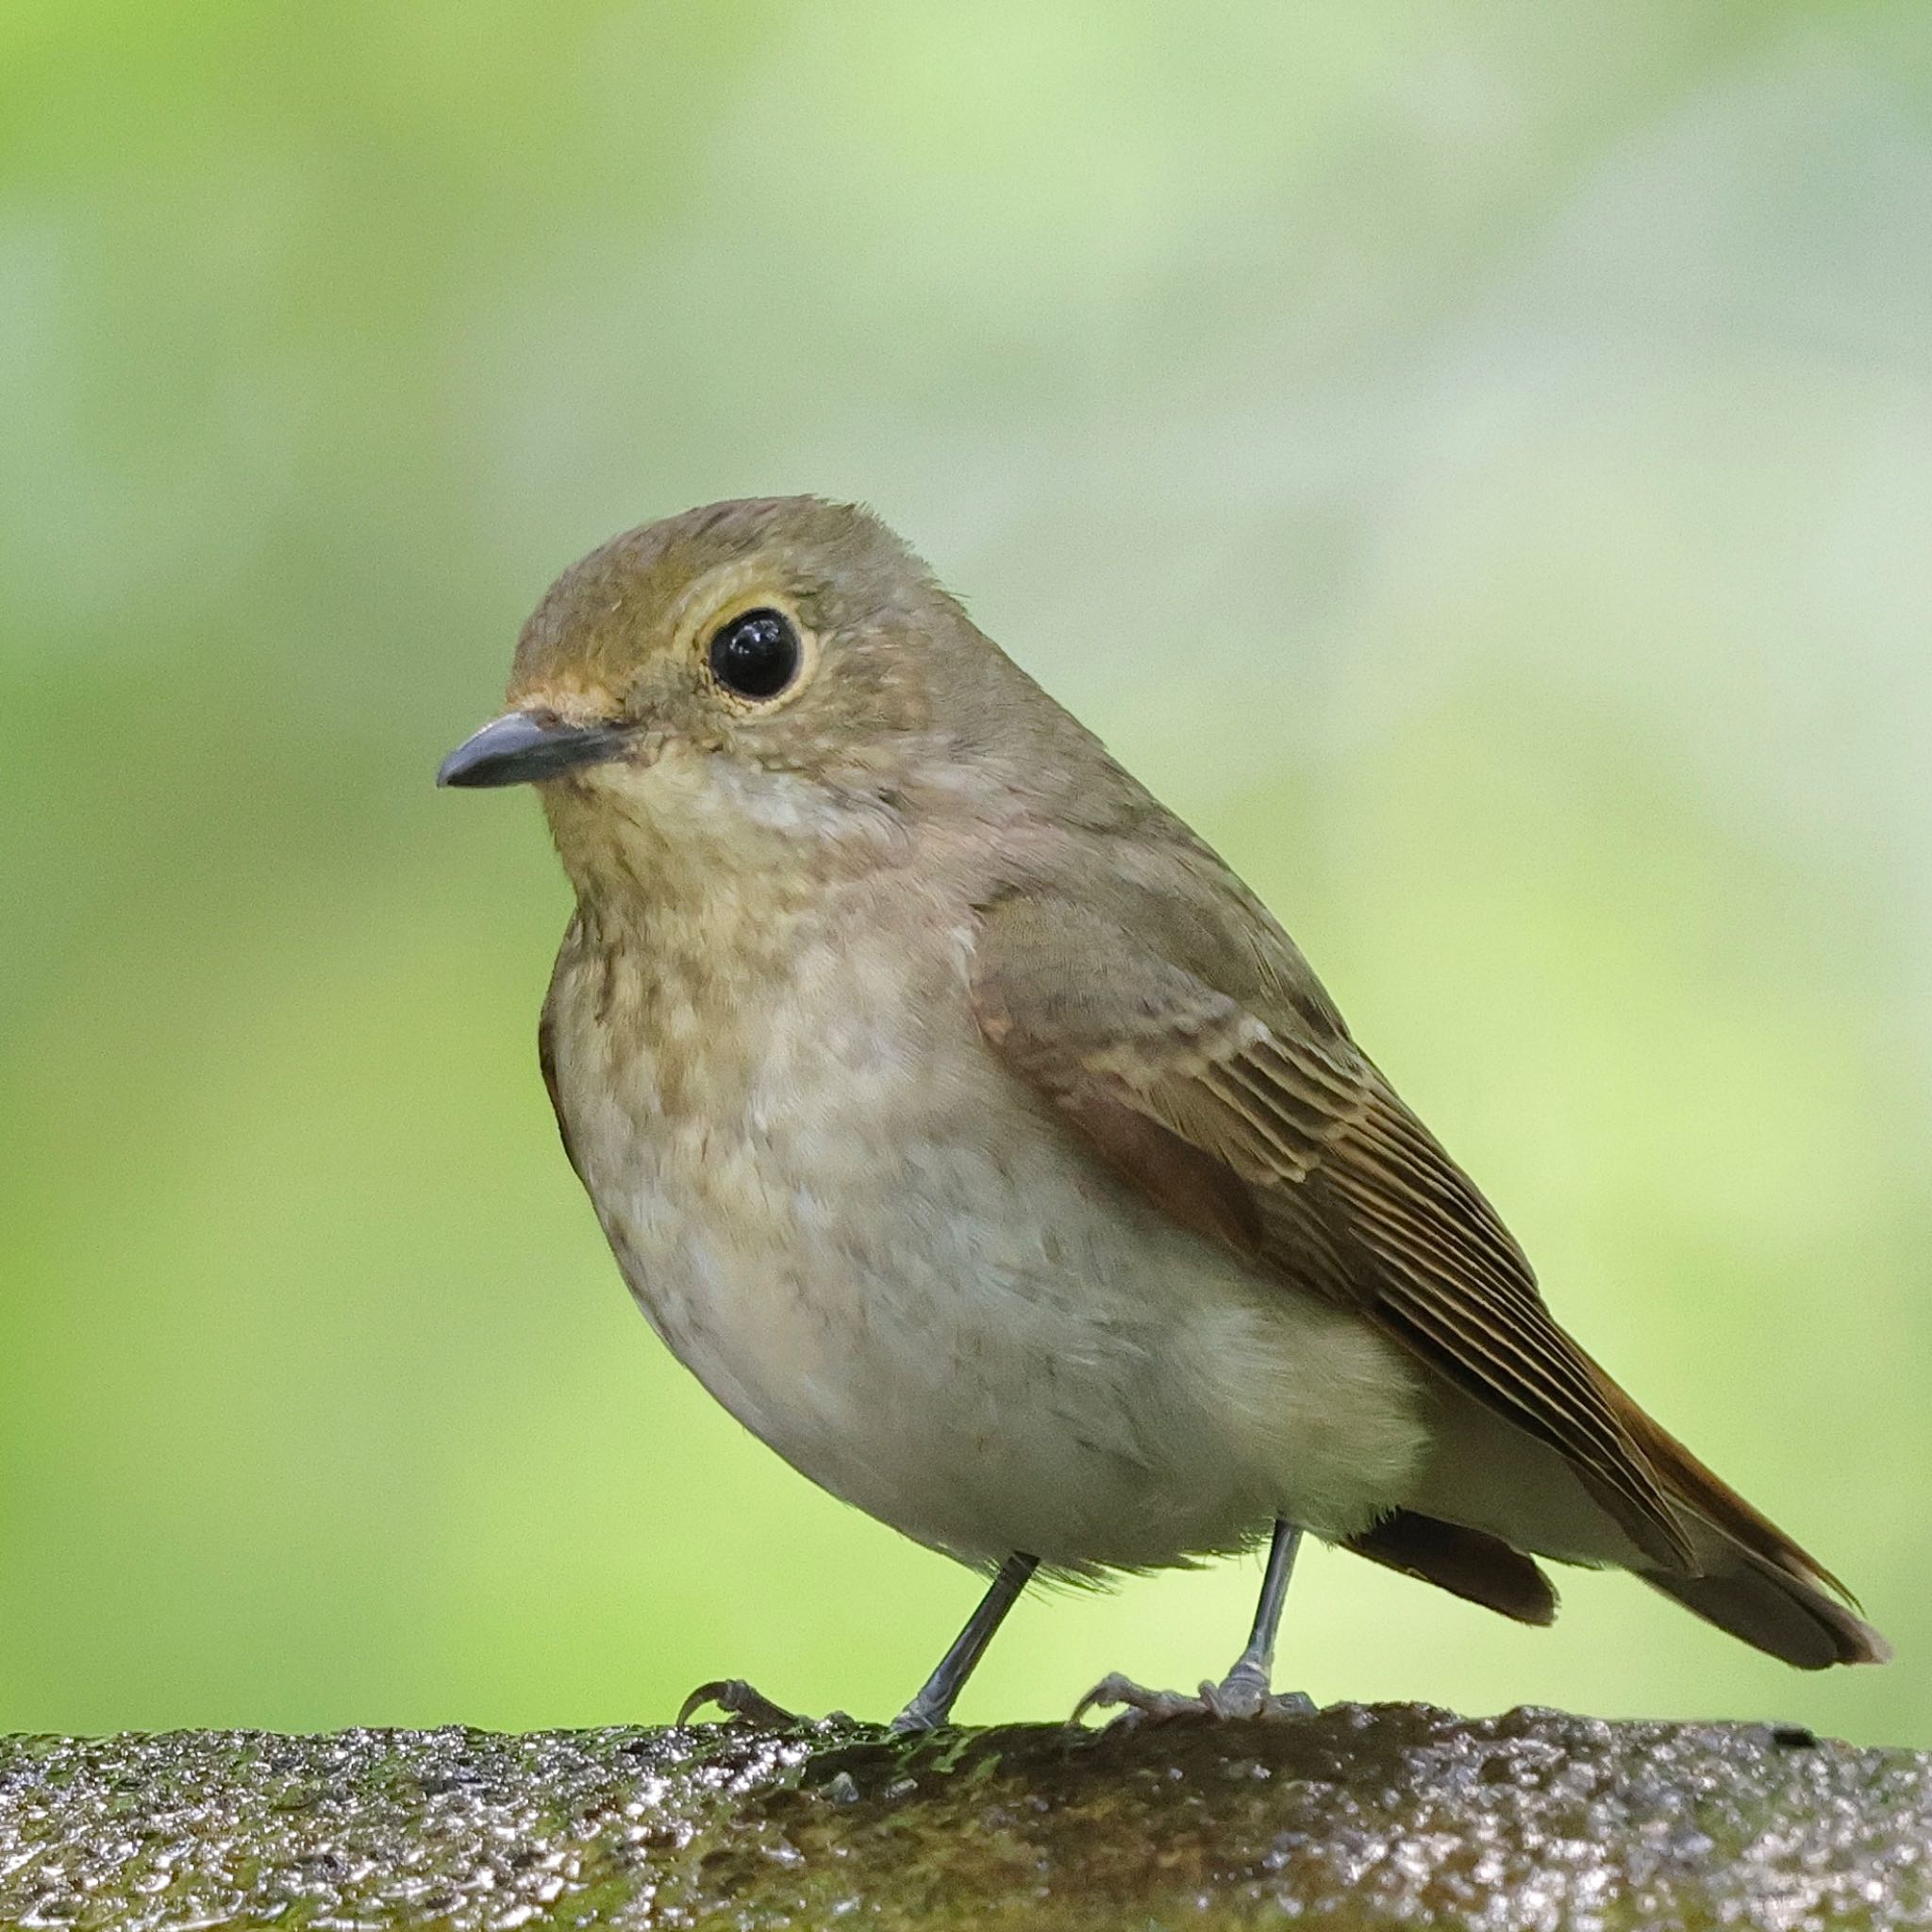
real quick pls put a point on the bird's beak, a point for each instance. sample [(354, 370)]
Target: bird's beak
[(524, 745)]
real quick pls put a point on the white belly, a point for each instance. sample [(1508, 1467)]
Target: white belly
[(892, 1264)]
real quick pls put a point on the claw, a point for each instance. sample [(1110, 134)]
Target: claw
[(736, 1698)]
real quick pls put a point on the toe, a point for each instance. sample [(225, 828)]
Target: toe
[(1114, 1690), (736, 1698)]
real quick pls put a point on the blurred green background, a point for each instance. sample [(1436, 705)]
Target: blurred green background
[(1474, 460)]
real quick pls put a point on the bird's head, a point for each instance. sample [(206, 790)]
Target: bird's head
[(778, 666)]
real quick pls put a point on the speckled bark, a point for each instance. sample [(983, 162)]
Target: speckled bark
[(1393, 1815)]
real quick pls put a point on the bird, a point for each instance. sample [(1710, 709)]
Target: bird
[(983, 1144)]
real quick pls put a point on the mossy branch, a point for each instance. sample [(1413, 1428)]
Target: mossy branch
[(1360, 1816)]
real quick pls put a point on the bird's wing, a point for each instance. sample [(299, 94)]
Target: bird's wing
[(1257, 1120)]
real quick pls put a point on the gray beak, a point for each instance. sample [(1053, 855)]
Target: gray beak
[(524, 745)]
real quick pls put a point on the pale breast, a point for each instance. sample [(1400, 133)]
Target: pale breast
[(896, 1267)]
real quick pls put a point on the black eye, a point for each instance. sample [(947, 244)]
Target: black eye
[(756, 655)]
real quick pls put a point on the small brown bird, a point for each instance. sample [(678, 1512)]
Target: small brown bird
[(982, 1143)]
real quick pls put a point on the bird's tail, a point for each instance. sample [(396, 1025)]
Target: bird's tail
[(1755, 1582)]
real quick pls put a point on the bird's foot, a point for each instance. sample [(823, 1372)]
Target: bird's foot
[(1243, 1693), (736, 1698), (914, 1720)]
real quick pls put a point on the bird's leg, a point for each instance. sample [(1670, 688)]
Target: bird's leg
[(1244, 1691), (934, 1703)]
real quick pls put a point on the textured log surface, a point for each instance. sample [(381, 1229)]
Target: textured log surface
[(1360, 1816)]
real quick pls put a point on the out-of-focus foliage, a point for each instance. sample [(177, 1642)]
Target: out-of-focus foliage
[(1475, 460)]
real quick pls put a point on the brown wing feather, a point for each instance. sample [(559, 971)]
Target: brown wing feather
[(1351, 1196)]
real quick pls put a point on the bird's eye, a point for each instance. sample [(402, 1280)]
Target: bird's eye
[(756, 655)]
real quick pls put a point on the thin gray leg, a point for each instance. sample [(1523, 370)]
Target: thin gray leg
[(934, 1704), (1244, 1691), (1254, 1670)]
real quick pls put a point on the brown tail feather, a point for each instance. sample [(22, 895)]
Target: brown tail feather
[(1752, 1598), (1755, 1582), (1466, 1562)]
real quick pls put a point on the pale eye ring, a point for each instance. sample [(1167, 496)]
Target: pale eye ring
[(756, 655)]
